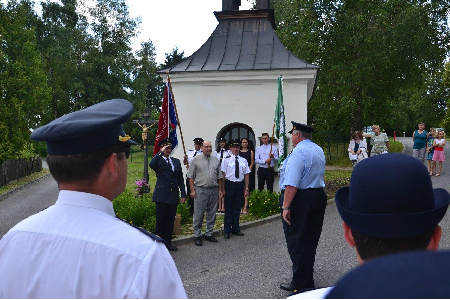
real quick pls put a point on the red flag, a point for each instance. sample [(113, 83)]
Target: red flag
[(167, 122)]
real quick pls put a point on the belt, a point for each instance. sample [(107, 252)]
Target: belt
[(282, 191), (206, 187), (235, 182)]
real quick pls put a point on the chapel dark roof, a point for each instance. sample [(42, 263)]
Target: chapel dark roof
[(243, 40)]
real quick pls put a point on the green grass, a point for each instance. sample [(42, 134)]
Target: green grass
[(22, 181)]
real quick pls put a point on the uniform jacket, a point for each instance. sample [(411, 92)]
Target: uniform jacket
[(168, 183)]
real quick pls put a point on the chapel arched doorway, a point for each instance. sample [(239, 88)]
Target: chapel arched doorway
[(237, 131)]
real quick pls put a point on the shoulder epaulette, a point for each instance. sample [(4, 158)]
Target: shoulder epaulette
[(147, 233), (228, 156)]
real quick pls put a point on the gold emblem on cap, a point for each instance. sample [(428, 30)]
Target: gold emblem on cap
[(123, 139)]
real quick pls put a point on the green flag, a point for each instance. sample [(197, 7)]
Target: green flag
[(280, 124)]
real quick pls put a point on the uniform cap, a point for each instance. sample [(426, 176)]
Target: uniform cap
[(164, 142), (198, 141), (301, 127), (96, 127), (234, 142)]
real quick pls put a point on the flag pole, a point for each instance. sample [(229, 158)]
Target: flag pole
[(273, 133), (176, 112)]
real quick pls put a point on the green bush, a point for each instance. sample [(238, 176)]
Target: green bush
[(139, 211), (183, 210), (263, 203), (395, 147)]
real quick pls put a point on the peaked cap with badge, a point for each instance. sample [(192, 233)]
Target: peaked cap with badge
[(165, 142), (391, 196), (300, 127), (198, 141), (94, 128), (234, 142), (222, 139)]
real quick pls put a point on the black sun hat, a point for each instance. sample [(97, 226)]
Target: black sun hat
[(390, 196), (96, 127)]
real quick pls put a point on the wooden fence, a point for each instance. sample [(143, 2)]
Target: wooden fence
[(13, 169)]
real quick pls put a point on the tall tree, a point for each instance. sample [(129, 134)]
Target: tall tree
[(147, 86), (24, 93), (172, 58), (109, 63), (63, 42), (373, 55)]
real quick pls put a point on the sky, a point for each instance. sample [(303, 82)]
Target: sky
[(185, 24)]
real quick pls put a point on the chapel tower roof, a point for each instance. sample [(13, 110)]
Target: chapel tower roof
[(243, 40)]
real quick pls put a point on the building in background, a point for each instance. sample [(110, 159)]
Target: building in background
[(228, 87)]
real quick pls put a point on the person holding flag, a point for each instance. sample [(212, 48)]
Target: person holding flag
[(168, 121)]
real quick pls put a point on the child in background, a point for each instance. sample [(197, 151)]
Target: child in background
[(430, 152), (439, 144)]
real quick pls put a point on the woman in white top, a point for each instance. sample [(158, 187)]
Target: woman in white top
[(357, 146)]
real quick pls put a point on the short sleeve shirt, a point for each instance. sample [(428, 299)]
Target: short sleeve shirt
[(228, 167), (304, 167), (205, 170), (379, 142)]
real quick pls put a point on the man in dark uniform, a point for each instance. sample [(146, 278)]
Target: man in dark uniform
[(303, 202), (235, 173), (198, 142), (169, 183)]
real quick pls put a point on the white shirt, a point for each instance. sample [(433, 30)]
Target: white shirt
[(314, 294), (228, 167), (77, 248), (225, 153), (193, 153), (262, 154)]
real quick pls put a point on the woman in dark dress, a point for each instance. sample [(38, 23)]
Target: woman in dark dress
[(248, 153)]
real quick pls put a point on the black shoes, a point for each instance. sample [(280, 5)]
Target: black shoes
[(170, 247), (288, 287), (198, 241), (227, 235), (211, 239)]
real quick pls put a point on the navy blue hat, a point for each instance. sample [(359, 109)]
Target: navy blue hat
[(301, 127), (222, 139), (96, 127), (164, 142), (198, 141), (391, 196), (234, 142), (413, 275)]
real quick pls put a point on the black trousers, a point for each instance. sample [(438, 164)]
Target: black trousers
[(165, 217), (302, 236), (265, 176), (234, 199)]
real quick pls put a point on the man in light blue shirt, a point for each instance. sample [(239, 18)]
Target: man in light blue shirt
[(303, 202)]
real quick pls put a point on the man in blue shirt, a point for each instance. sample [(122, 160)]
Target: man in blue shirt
[(303, 202)]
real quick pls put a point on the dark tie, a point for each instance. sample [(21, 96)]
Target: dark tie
[(195, 153), (170, 165), (221, 155), (236, 168)]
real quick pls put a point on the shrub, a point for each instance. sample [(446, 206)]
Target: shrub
[(183, 210), (139, 211), (263, 203)]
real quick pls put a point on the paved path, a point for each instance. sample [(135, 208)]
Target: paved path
[(251, 266), (27, 201), (254, 265)]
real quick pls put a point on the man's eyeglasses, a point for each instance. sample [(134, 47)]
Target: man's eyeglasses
[(126, 150)]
